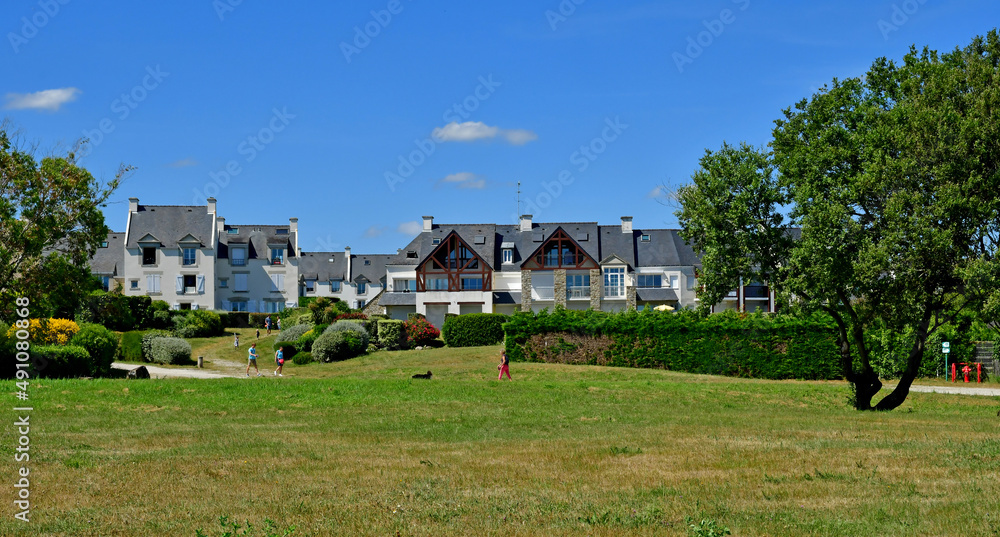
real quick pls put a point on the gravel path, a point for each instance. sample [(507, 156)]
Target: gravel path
[(163, 372), (958, 390)]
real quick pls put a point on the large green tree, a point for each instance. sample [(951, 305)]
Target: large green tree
[(47, 206), (879, 202)]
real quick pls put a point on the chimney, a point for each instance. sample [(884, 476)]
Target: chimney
[(220, 224), (347, 254), (626, 224), (428, 223), (133, 205), (211, 205), (525, 222), (293, 227)]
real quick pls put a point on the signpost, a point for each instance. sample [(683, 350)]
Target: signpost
[(945, 349)]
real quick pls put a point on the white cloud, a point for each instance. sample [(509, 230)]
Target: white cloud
[(471, 131), (410, 228), (41, 100), (465, 180), (374, 231), (183, 163), (655, 193)]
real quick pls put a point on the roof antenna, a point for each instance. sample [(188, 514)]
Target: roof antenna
[(517, 215)]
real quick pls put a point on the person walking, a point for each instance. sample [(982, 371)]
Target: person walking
[(267, 324), (252, 359), (258, 333), (236, 342), (279, 358), (504, 365), (279, 324)]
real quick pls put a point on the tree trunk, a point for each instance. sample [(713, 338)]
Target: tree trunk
[(898, 395)]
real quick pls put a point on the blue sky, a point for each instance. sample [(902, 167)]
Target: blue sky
[(360, 117)]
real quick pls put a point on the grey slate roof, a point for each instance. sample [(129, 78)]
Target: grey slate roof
[(171, 223), (258, 238), (526, 242), (323, 266), (374, 272), (108, 261), (655, 294), (398, 299), (423, 244), (665, 248)]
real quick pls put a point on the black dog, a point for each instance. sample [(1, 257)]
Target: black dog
[(426, 375)]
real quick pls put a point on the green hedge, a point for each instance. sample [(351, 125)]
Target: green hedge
[(303, 358), (198, 323), (237, 319), (473, 329), (61, 361), (130, 346), (391, 334), (170, 350), (338, 345), (117, 311), (101, 345), (729, 343)]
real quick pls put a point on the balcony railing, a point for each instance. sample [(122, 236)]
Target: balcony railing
[(238, 262), (543, 293), (614, 292), (577, 292)]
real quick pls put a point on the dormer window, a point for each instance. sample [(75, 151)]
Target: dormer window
[(281, 231), (368, 262), (436, 240), (644, 238), (277, 256), (233, 231), (149, 255), (104, 244), (190, 256), (411, 254), (508, 255)]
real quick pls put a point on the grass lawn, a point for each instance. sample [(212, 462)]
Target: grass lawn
[(359, 448)]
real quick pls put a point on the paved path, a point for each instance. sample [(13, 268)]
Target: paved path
[(163, 372), (959, 390)]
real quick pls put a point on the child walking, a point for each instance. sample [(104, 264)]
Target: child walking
[(504, 365), (236, 342), (279, 358), (252, 359)]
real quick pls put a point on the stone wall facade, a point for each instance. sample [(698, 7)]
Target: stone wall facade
[(630, 297), (559, 287), (525, 290), (596, 289)]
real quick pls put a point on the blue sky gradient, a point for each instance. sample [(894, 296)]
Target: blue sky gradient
[(360, 117)]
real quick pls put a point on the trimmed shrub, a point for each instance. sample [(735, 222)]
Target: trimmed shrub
[(332, 346), (159, 305), (344, 316), (257, 319), (100, 343), (60, 361), (199, 323), (352, 326), (303, 358), (117, 311), (420, 332), (372, 325), (473, 329), (130, 346), (728, 343), (294, 332), (147, 342), (170, 350), (162, 319), (49, 331), (415, 315), (391, 334)]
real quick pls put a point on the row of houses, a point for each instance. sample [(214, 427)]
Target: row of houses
[(190, 257)]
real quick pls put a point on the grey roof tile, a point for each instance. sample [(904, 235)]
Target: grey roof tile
[(170, 223), (108, 260)]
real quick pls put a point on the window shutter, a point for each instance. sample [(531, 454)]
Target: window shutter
[(201, 283), (149, 284), (252, 306), (281, 282), (194, 306), (226, 305), (180, 284)]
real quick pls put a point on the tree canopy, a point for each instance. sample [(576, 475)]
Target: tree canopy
[(50, 218), (878, 202)]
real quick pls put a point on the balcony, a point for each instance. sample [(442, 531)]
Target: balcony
[(543, 293), (238, 262), (577, 292)]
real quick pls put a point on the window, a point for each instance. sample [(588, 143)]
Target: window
[(239, 305), (436, 240), (186, 306), (190, 256), (277, 282), (644, 238), (281, 231), (362, 288), (310, 286), (692, 282), (104, 244), (436, 284), (272, 306), (153, 283), (650, 280), (361, 303), (105, 282), (410, 254), (238, 257), (277, 256), (189, 281), (577, 286), (404, 286), (559, 251), (240, 282), (334, 286), (614, 282), (149, 255), (223, 283), (235, 231), (133, 284), (674, 282), (472, 284), (508, 255), (368, 262)]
